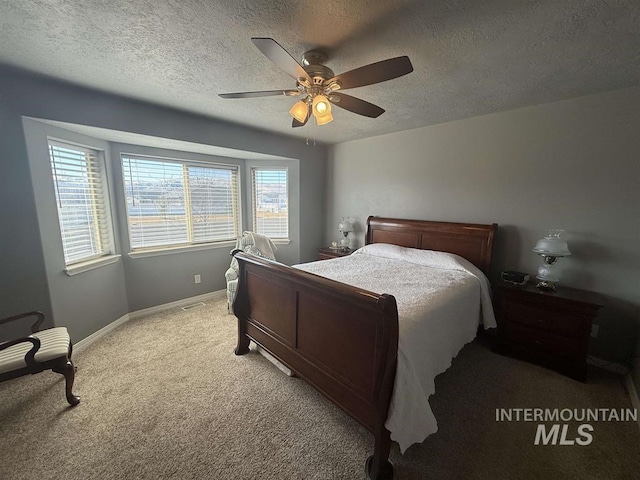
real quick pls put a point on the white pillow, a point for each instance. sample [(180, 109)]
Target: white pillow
[(428, 258)]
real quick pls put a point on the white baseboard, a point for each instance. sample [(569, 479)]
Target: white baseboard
[(180, 303), (607, 365), (633, 394), (85, 342), (620, 370)]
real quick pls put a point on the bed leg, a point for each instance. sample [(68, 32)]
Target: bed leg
[(243, 341), (243, 345), (387, 472), (378, 466)]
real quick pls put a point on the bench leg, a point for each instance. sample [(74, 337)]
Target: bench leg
[(69, 373)]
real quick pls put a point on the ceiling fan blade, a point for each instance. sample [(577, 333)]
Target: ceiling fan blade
[(297, 123), (355, 105), (265, 93), (374, 73), (278, 55)]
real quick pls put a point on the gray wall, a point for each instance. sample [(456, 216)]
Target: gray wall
[(23, 283), (153, 280), (168, 277), (572, 164), (86, 302)]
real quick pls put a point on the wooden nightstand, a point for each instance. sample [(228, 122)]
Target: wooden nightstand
[(548, 328), (327, 253)]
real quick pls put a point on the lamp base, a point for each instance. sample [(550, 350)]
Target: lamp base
[(546, 286), (345, 241), (547, 277)]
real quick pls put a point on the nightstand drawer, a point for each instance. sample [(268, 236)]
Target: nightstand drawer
[(544, 341), (556, 321), (525, 314), (568, 325), (549, 328), (329, 253)]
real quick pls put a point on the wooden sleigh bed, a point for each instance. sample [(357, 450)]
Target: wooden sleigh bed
[(341, 339)]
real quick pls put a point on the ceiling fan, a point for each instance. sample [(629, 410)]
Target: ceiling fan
[(320, 86)]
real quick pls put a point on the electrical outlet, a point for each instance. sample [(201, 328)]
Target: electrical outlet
[(196, 278), (594, 331)]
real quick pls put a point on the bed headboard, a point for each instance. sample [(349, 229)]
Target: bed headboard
[(469, 240)]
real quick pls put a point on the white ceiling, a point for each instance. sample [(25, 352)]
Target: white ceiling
[(470, 57)]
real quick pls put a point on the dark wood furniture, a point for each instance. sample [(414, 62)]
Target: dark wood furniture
[(56, 351), (327, 253), (341, 339), (548, 328)]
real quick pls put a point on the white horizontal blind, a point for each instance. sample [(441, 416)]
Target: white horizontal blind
[(82, 201), (172, 203), (213, 198), (270, 202)]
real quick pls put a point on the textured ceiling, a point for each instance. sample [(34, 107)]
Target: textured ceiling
[(470, 57)]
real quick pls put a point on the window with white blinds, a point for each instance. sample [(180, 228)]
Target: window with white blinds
[(172, 203), (270, 200), (83, 205)]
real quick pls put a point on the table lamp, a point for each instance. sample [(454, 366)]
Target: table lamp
[(345, 226), (550, 248)]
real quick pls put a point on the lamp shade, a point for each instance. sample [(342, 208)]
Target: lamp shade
[(324, 120), (552, 245), (345, 226), (299, 111), (321, 106)]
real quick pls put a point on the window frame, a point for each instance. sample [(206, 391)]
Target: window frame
[(154, 250), (254, 214), (107, 254)]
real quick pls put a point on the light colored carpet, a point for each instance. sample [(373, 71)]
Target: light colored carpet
[(164, 397)]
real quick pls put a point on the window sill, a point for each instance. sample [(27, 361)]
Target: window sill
[(281, 241), (91, 265), (188, 248)]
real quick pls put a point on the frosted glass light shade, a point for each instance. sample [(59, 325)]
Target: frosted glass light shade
[(324, 120), (300, 111), (552, 245), (321, 106), (345, 226)]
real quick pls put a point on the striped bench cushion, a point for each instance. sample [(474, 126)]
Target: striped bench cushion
[(54, 343)]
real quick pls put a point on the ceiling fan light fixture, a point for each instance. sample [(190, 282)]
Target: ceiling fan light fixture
[(321, 106), (319, 85), (299, 111), (332, 86), (324, 119), (304, 82)]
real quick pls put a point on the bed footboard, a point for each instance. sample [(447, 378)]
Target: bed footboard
[(340, 339)]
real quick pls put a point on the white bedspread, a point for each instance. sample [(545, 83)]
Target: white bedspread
[(441, 299)]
